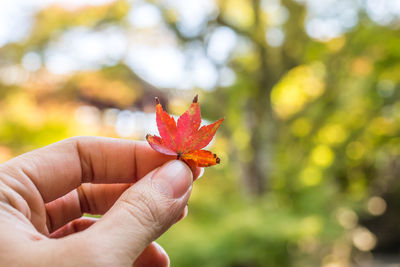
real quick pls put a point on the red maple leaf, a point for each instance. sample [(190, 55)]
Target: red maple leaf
[(185, 138)]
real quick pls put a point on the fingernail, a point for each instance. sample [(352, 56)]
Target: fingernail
[(162, 251), (201, 173), (159, 248), (183, 215), (173, 179), (185, 212)]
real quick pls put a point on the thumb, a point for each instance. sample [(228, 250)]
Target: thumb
[(142, 213)]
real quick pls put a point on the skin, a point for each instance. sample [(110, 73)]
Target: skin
[(43, 194)]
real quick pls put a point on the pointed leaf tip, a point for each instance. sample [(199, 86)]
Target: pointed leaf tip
[(196, 99), (157, 100)]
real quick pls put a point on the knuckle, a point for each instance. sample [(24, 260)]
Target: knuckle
[(75, 139)]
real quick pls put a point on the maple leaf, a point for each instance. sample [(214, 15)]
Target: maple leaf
[(185, 138)]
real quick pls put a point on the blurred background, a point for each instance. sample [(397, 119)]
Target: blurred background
[(310, 145)]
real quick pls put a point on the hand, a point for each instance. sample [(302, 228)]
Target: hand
[(44, 193)]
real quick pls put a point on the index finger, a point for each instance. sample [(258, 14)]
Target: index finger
[(60, 167)]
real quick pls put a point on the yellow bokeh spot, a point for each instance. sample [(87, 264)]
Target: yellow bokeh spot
[(238, 12), (357, 186), (311, 176), (300, 86), (311, 225), (23, 108), (355, 150), (382, 126), (332, 134), (396, 108), (322, 156), (301, 127), (336, 44), (241, 138), (362, 66)]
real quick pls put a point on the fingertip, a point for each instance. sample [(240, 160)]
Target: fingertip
[(173, 179), (163, 254), (197, 172)]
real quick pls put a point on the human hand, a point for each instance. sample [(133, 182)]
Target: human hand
[(44, 193)]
